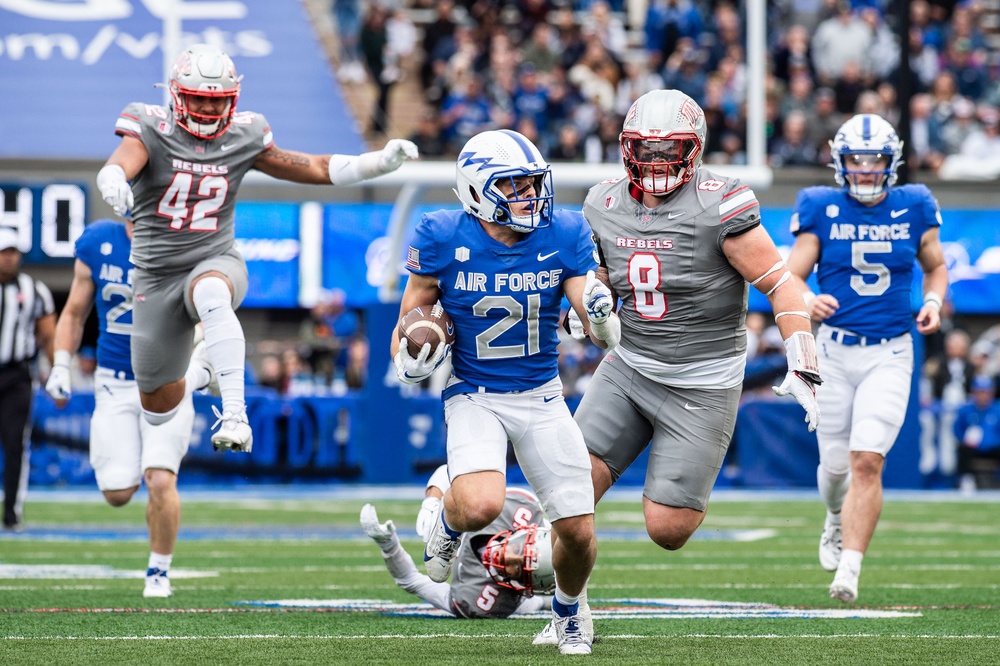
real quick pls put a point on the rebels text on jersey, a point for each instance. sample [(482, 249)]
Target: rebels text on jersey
[(682, 301), (185, 196), (505, 301), (474, 594), (104, 247), (867, 253)]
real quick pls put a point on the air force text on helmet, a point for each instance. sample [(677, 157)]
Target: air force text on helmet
[(531, 281), (871, 232)]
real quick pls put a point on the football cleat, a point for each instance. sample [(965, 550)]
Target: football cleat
[(830, 546), (572, 637), (440, 551), (199, 355), (234, 434), (384, 534), (845, 585), (547, 636), (157, 584)]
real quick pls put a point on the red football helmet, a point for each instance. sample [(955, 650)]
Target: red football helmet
[(205, 87), (662, 140), (521, 560)]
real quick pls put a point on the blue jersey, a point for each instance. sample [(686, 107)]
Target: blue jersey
[(867, 253), (505, 301), (104, 247)]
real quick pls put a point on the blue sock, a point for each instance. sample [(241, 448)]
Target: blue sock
[(447, 530), (562, 610)]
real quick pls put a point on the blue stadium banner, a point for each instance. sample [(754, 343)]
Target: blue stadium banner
[(69, 67), (267, 235)]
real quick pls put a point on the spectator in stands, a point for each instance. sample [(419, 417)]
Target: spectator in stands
[(924, 61), (970, 75), (427, 136), (792, 51), (668, 21), (356, 372), (961, 25), (977, 430), (541, 50), (465, 112), (839, 41), (569, 147), (799, 97), (960, 125), (607, 27), (724, 35), (401, 38), (441, 29), (849, 87), (298, 379), (374, 45), (325, 334), (884, 48), (531, 100), (983, 143), (684, 71), (272, 374), (944, 94), (603, 145), (569, 37), (823, 120), (638, 79), (347, 17), (792, 147), (532, 12), (926, 146), (951, 373)]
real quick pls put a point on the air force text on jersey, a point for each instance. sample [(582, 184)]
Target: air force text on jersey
[(870, 232), (531, 281)]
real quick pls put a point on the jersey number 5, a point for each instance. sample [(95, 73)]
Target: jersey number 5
[(174, 202), (881, 272)]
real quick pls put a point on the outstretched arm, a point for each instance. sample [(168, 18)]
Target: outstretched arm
[(336, 169)]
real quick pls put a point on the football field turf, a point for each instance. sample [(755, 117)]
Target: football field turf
[(263, 577)]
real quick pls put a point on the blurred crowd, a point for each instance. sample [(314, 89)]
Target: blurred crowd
[(564, 72)]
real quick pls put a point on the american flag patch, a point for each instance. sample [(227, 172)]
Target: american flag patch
[(413, 259)]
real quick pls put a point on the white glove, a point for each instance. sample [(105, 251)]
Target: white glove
[(115, 188), (576, 329), (396, 152), (804, 392), (412, 370), (429, 510), (597, 299), (58, 385)]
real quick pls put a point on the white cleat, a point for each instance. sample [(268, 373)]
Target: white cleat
[(830, 546), (547, 636), (199, 355), (440, 551), (384, 534), (234, 434), (845, 585), (157, 585), (572, 637)]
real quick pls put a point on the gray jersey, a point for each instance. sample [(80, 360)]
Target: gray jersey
[(185, 196), (474, 594), (682, 301)]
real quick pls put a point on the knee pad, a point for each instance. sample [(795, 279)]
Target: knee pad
[(211, 293)]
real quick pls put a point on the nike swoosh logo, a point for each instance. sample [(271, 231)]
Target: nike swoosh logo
[(688, 406), (673, 216), (550, 398), (896, 213), (897, 351), (543, 257), (228, 146)]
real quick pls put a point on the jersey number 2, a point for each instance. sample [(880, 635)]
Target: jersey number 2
[(174, 202)]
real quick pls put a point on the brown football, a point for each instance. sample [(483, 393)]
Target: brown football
[(427, 323)]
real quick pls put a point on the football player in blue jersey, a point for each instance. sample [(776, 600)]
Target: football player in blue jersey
[(500, 269), (124, 448), (863, 237)]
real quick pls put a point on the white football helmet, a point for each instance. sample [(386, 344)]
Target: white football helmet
[(662, 141), (521, 560), (861, 145), (490, 157), (204, 71)]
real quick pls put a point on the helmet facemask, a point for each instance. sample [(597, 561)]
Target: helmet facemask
[(866, 153), (866, 175), (530, 197), (521, 560), (659, 166)]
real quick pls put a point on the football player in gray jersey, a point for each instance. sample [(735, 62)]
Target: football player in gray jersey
[(503, 569), (678, 245), (185, 163)]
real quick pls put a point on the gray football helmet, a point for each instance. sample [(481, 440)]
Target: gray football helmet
[(521, 560), (204, 71)]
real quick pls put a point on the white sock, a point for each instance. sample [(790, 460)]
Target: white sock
[(224, 339), (196, 377), (160, 561), (850, 560), (565, 599), (832, 488)]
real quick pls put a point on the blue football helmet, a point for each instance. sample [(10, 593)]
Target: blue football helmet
[(862, 145)]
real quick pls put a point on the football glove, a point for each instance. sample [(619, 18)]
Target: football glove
[(395, 152), (114, 188), (803, 375), (597, 299), (576, 329), (58, 385), (412, 370), (429, 509)]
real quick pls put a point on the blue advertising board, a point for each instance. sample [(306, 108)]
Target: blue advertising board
[(69, 67), (267, 235)]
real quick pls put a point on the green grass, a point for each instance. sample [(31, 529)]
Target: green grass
[(938, 562)]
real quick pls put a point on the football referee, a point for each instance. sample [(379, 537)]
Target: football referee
[(27, 323)]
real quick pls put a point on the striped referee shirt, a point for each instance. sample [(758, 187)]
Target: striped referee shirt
[(23, 301)]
